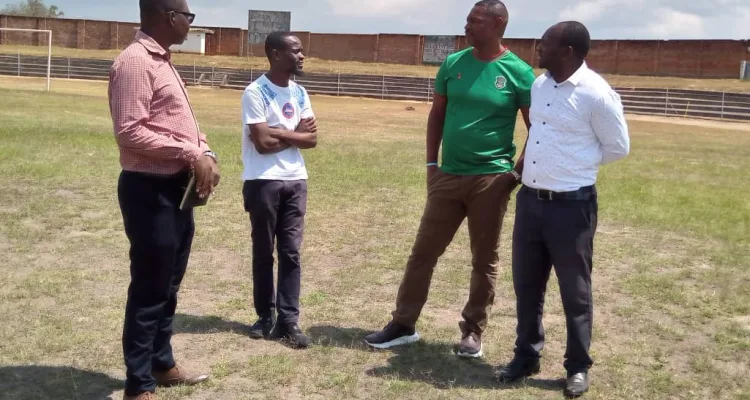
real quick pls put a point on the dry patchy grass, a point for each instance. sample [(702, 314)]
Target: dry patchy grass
[(671, 272)]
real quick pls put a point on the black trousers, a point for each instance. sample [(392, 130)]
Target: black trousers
[(557, 232), (160, 237), (277, 212)]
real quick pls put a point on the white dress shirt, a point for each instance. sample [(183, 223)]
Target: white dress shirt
[(576, 126)]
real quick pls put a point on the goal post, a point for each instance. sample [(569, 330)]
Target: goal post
[(49, 47)]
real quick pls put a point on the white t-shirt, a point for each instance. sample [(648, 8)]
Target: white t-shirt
[(278, 106)]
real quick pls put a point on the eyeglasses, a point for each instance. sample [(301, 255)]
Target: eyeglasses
[(190, 16)]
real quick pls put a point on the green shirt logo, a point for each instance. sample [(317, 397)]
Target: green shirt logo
[(500, 82)]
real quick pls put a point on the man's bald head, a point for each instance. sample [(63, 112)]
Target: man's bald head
[(151, 7), (495, 9), (166, 21)]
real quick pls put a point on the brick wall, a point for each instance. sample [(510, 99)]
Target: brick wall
[(327, 46), (399, 49), (722, 58), (124, 34), (602, 55), (687, 58)]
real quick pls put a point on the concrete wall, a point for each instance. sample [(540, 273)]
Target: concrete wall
[(685, 58)]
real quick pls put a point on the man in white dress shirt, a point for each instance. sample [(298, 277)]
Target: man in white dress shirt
[(577, 124)]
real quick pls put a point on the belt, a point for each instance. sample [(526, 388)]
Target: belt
[(584, 193)]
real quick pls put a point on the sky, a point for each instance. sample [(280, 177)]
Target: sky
[(606, 19)]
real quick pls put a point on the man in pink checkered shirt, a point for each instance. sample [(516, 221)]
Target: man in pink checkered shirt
[(160, 145)]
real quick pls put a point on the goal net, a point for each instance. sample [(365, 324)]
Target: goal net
[(14, 62)]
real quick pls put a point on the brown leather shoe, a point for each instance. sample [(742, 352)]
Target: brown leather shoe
[(142, 396), (178, 376)]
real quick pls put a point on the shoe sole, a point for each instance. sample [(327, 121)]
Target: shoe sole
[(570, 395), (478, 354), (403, 340), (259, 335)]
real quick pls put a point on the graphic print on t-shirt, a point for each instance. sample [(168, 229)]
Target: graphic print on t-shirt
[(288, 110)]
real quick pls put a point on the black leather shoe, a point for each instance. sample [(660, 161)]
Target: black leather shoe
[(518, 369), (262, 328), (577, 384), (291, 334)]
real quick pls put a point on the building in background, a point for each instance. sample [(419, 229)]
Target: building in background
[(195, 43)]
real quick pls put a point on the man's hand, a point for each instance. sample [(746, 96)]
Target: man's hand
[(307, 125), (431, 171), (509, 180), (206, 175)]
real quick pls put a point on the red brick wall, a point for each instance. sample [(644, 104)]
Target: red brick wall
[(602, 55), (64, 32), (343, 47), (689, 58), (96, 35), (722, 58), (636, 57), (523, 48), (399, 49), (225, 41), (680, 58), (125, 33), (21, 38)]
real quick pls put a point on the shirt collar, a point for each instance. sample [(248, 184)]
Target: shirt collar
[(150, 44), (577, 76)]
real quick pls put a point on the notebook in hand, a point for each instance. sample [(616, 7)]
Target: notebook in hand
[(190, 199)]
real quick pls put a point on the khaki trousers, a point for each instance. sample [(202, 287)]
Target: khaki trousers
[(483, 200)]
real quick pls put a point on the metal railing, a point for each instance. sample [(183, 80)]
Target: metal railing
[(665, 102)]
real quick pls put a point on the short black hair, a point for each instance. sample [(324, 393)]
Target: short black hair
[(276, 41), (575, 35), (496, 7)]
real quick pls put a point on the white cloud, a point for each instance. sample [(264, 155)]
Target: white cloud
[(375, 8), (673, 23), (586, 11)]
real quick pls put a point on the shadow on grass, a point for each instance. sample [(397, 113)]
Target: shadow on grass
[(433, 363), (42, 382), (195, 324)]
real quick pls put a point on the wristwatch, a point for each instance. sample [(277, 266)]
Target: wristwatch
[(211, 154), (516, 175)]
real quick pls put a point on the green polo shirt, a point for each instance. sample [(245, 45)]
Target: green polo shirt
[(483, 103)]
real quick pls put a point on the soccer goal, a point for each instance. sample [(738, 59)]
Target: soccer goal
[(49, 47)]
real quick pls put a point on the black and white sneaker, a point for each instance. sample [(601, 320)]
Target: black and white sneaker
[(391, 336)]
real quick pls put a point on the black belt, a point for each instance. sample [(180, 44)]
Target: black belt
[(584, 193)]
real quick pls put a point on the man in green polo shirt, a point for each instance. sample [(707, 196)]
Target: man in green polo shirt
[(478, 94)]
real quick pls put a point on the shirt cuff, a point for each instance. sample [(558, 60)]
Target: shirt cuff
[(191, 154)]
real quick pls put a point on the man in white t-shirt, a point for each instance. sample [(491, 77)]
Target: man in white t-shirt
[(277, 121)]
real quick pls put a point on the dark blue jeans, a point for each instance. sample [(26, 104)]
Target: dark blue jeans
[(555, 231), (160, 237), (277, 214)]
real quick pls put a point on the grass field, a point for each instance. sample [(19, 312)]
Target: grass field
[(314, 65), (671, 274)]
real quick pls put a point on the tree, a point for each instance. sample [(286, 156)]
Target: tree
[(32, 8)]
